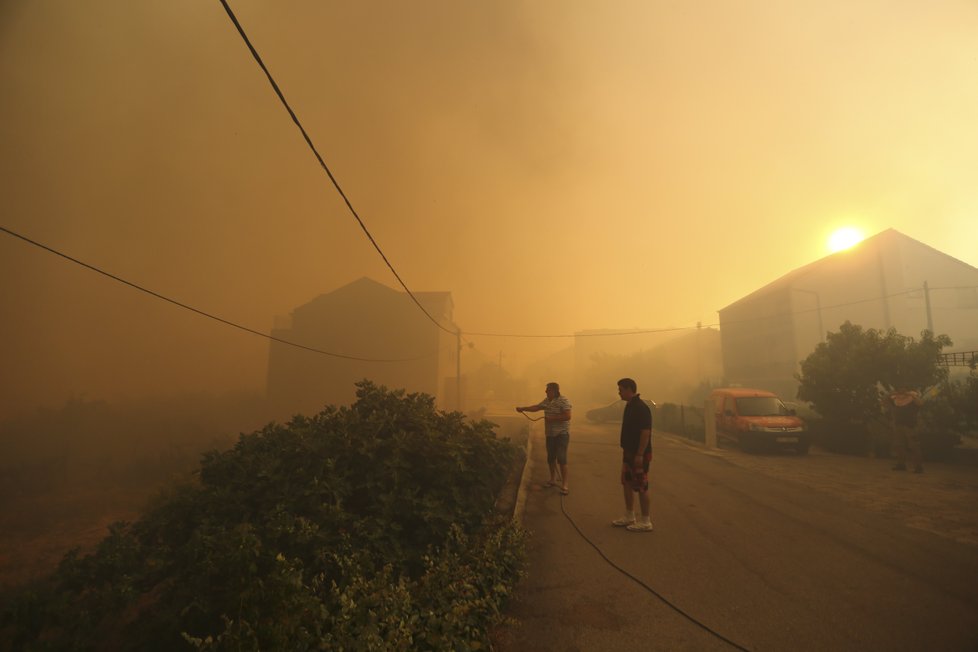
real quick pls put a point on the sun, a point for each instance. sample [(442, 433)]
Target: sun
[(844, 238)]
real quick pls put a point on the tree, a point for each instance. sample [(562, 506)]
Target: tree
[(843, 376), (363, 527)]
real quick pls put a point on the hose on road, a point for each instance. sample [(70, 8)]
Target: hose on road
[(648, 588)]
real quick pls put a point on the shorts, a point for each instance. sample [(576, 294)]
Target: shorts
[(557, 448), (633, 476)]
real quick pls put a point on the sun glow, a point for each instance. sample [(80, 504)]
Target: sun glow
[(844, 238)]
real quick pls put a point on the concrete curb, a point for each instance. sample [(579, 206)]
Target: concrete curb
[(524, 480)]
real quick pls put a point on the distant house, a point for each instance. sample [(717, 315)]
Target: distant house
[(377, 333), (888, 280)]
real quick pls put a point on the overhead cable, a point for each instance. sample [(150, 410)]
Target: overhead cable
[(583, 334), (201, 312), (461, 333), (325, 168), (363, 226)]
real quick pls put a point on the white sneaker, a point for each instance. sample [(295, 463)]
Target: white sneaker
[(640, 527), (623, 521)]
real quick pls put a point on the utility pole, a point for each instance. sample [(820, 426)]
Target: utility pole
[(458, 369), (699, 364), (930, 319)]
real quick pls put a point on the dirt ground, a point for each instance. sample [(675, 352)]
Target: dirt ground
[(36, 532), (943, 499)]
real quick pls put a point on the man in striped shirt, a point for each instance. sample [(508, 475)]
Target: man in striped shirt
[(557, 416)]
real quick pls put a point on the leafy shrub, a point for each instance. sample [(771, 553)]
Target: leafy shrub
[(363, 527), (937, 430), (844, 376)]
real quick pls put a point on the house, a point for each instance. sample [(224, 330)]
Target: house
[(886, 281), (363, 330)]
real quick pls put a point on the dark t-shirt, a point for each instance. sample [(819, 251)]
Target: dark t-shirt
[(906, 415), (637, 417)]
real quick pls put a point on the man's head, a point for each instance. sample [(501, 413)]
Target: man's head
[(627, 388), (553, 390)]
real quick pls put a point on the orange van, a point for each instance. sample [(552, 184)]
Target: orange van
[(756, 418)]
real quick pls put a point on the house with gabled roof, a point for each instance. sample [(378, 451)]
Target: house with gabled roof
[(363, 330), (889, 280)]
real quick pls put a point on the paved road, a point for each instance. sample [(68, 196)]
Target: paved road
[(768, 560)]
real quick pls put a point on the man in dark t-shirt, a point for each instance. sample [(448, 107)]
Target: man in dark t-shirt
[(636, 447)]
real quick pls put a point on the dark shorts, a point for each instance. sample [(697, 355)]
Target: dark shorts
[(557, 448), (634, 476)]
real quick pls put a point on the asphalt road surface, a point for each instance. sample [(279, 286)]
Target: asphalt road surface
[(748, 552)]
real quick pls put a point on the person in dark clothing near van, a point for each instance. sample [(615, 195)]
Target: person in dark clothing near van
[(636, 446), (904, 404)]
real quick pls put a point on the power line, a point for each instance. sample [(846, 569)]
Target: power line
[(576, 335), (201, 312), (819, 309), (846, 304), (715, 324), (461, 334), (322, 164)]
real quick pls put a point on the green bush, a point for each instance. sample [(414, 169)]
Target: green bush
[(938, 436), (846, 376), (363, 527)]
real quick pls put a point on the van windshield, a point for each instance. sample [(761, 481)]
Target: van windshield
[(761, 406)]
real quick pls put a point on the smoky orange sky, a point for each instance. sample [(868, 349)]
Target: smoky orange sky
[(556, 165)]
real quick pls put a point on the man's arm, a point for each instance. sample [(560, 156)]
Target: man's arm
[(530, 408), (643, 442)]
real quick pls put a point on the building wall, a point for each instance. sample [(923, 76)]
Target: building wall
[(878, 285), (884, 288), (401, 347), (758, 342)]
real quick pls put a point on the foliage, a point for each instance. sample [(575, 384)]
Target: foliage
[(845, 376), (951, 410), (962, 399), (365, 527), (841, 376)]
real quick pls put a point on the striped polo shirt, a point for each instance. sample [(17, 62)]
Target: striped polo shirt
[(554, 407)]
